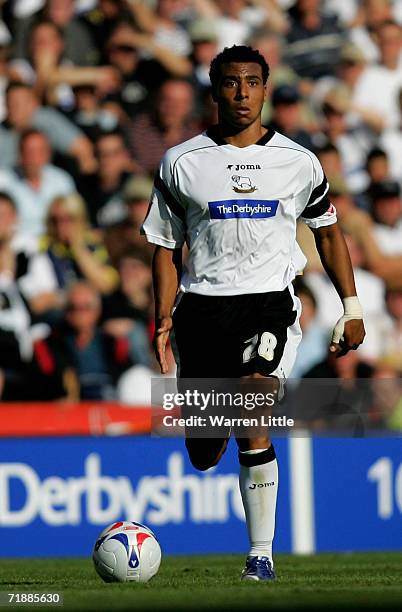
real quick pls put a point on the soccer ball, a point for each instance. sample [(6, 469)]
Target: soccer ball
[(127, 551)]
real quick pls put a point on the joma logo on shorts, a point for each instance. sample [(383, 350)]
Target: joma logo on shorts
[(261, 485), (244, 166)]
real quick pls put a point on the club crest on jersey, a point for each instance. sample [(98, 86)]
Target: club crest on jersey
[(242, 184)]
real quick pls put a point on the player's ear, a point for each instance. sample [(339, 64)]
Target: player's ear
[(214, 93)]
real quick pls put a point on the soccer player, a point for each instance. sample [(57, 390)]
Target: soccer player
[(233, 194)]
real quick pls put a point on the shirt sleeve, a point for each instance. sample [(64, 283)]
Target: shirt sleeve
[(165, 223), (313, 202)]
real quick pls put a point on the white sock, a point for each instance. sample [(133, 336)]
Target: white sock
[(259, 488)]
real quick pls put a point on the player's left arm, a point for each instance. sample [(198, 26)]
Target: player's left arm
[(349, 331)]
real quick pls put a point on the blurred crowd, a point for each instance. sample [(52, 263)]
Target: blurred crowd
[(92, 92)]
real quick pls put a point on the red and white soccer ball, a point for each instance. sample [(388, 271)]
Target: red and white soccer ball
[(127, 551)]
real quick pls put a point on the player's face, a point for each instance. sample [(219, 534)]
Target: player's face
[(241, 94)]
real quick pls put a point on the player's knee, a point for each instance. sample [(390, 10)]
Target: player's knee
[(204, 456), (201, 463), (201, 459)]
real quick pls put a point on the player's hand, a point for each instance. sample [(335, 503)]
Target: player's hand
[(351, 339), (160, 339), (349, 331)]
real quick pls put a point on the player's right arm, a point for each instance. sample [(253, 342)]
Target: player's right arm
[(320, 215), (165, 226), (166, 272)]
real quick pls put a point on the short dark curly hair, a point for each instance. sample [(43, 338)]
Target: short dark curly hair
[(236, 54)]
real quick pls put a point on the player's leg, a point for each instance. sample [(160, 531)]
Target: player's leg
[(270, 359), (196, 346), (258, 480)]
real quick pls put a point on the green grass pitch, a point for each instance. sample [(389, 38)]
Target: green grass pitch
[(327, 581)]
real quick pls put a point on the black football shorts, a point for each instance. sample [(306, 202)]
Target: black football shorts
[(234, 336)]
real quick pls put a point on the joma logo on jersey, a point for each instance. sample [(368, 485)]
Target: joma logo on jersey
[(238, 167)]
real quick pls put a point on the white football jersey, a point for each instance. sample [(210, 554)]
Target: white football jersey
[(236, 209)]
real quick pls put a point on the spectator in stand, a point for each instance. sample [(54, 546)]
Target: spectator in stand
[(347, 11), (135, 291), (34, 183), (103, 190), (351, 67), (343, 85), (90, 114), (130, 311), (352, 134), (166, 125), (387, 214), (271, 46), (391, 141), (24, 112), (378, 166), (386, 387), (73, 249), (79, 47), (45, 53), (236, 20), (359, 225), (314, 344), (204, 38), (286, 116), (335, 406), (209, 115), (126, 51), (122, 236), (373, 13), (371, 291), (378, 170), (379, 85), (314, 40), (137, 194), (103, 18), (127, 311), (5, 75), (232, 29), (392, 331), (161, 24), (51, 76), (122, 54), (96, 358), (27, 289), (330, 159)]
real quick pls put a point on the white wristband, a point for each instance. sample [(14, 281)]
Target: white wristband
[(352, 308)]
